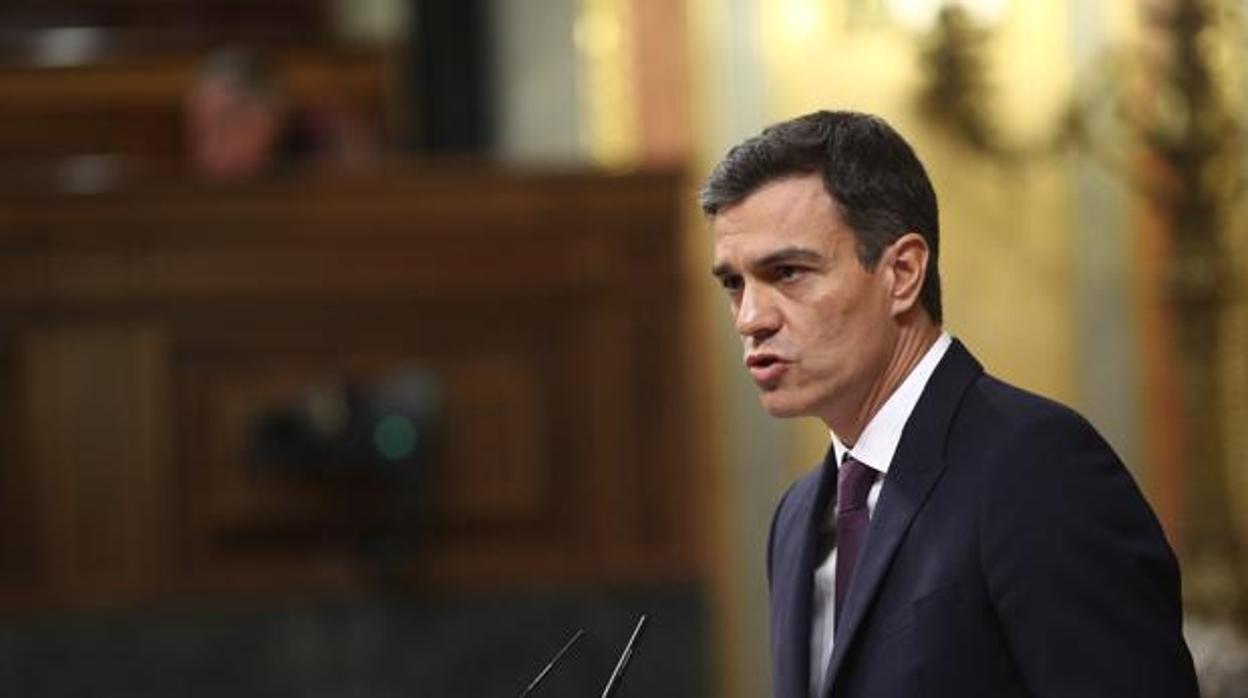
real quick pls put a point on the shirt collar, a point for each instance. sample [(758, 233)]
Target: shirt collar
[(879, 439)]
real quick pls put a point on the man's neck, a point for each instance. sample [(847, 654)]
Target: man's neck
[(912, 344)]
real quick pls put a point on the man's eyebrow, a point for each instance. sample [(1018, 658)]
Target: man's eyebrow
[(785, 255), (788, 255)]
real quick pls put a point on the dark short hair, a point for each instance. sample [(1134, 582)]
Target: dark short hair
[(244, 69), (869, 170)]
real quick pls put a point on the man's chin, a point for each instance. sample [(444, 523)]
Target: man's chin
[(783, 407)]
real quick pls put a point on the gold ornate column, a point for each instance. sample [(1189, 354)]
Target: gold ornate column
[(1190, 129), (606, 81), (1234, 371)]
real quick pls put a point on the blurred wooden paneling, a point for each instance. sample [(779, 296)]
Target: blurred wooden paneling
[(132, 27), (150, 328), (132, 107), (96, 434)]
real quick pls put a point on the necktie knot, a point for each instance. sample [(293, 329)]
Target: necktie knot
[(853, 484)]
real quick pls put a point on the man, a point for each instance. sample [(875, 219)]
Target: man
[(963, 537), (240, 123), (236, 114)]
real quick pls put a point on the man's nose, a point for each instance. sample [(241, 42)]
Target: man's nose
[(757, 316)]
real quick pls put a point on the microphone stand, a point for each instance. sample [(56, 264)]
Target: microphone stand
[(558, 655), (617, 676)]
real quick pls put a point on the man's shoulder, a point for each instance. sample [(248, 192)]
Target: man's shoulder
[(802, 490), (981, 397), (1010, 403), (791, 516), (1001, 417), (1000, 423)]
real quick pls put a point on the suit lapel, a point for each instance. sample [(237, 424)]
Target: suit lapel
[(916, 467), (792, 595)]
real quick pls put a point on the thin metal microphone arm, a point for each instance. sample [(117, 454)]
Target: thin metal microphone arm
[(617, 676), (558, 655)]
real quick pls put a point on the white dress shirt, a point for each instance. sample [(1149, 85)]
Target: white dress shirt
[(875, 448)]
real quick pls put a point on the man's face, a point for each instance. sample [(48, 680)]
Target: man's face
[(230, 133), (817, 327)]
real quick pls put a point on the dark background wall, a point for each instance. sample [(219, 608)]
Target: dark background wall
[(442, 644)]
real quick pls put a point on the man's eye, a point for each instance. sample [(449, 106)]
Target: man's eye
[(788, 272), (731, 284)]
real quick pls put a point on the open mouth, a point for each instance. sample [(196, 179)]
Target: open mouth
[(762, 361), (765, 369)]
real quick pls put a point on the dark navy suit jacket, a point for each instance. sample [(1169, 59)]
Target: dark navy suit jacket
[(1010, 554)]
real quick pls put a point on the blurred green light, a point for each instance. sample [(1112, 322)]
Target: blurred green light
[(395, 437)]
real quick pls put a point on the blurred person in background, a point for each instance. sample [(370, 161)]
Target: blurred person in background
[(242, 123), (963, 538)]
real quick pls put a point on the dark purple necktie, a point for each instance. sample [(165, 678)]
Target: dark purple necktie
[(853, 483)]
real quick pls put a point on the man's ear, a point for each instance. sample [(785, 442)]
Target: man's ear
[(907, 260)]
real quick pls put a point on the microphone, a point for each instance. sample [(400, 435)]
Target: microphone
[(617, 676), (558, 655)]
